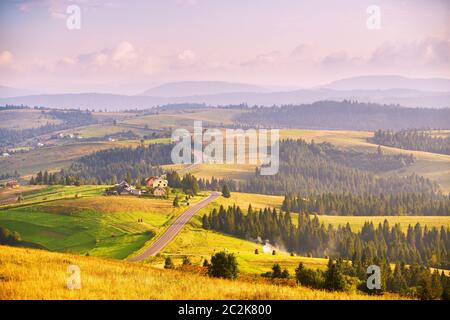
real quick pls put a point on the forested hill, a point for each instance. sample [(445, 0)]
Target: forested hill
[(305, 168), (345, 115), (112, 165), (412, 140), (310, 168)]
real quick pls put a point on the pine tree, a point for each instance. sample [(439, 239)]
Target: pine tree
[(334, 277), (226, 191), (176, 202)]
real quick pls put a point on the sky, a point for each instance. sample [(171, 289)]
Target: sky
[(129, 46)]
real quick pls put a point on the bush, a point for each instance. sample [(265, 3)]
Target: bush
[(308, 277), (186, 261), (8, 237), (223, 265), (168, 263), (277, 273)]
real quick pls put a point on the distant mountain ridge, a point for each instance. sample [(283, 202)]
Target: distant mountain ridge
[(193, 88), (6, 92), (385, 82), (377, 89)]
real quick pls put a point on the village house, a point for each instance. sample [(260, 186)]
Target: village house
[(12, 184), (5, 154), (159, 182), (124, 188), (149, 182)]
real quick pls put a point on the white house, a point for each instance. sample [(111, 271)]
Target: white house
[(161, 183)]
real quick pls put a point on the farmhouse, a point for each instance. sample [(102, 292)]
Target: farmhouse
[(12, 184), (5, 154), (122, 188), (149, 181)]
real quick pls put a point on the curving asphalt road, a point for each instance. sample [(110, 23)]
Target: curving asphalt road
[(174, 229)]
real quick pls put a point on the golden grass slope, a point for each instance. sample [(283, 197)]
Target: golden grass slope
[(36, 274)]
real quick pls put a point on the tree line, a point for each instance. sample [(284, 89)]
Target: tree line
[(310, 168), (346, 115), (415, 281), (346, 204), (112, 165), (412, 140), (419, 245)]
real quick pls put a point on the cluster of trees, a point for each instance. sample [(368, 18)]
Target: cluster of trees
[(277, 273), (419, 245), (346, 204), (414, 281), (217, 184), (412, 140), (57, 178), (9, 238), (347, 115), (71, 119), (112, 165), (222, 265), (8, 175), (188, 183), (310, 168)]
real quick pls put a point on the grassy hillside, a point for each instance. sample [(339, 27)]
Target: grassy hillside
[(25, 119), (36, 274), (89, 223), (185, 119)]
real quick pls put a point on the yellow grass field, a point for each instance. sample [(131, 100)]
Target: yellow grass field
[(36, 274)]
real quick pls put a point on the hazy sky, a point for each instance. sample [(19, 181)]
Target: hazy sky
[(129, 46)]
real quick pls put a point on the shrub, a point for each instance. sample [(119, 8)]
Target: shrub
[(186, 261), (308, 277), (168, 263), (223, 265), (8, 237)]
